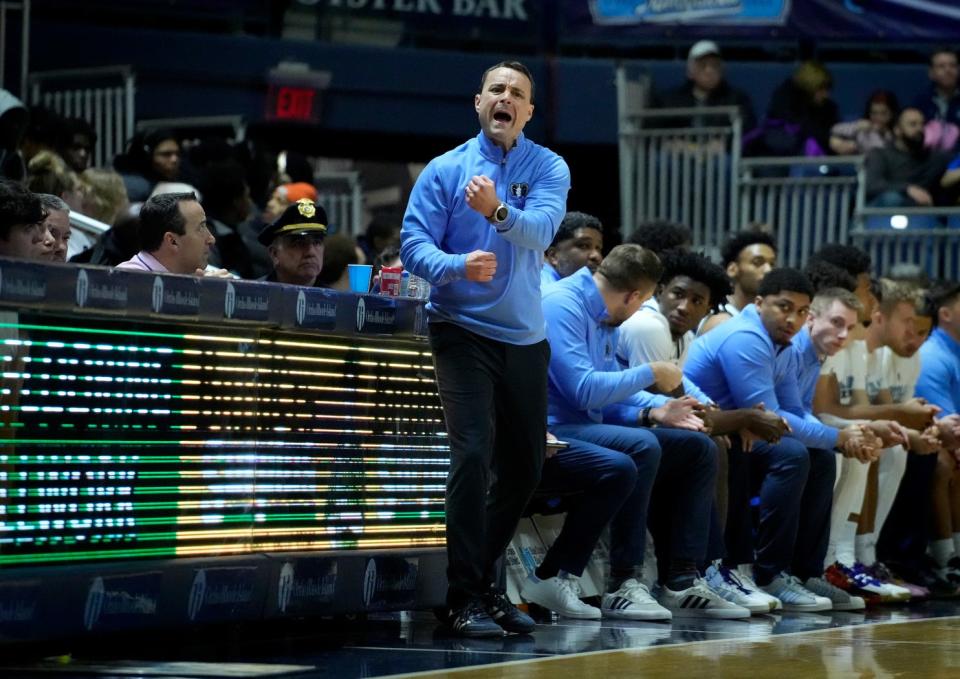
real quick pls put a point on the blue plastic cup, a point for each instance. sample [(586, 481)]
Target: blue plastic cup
[(360, 277)]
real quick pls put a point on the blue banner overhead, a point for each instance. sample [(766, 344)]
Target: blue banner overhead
[(746, 12), (589, 20)]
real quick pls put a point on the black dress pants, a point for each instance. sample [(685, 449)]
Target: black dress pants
[(494, 398)]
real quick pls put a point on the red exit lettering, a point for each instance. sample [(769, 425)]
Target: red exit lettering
[(294, 103)]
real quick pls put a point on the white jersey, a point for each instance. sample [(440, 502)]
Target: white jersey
[(645, 337), (849, 366), (901, 373)]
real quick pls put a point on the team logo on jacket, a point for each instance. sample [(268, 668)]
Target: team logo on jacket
[(519, 190)]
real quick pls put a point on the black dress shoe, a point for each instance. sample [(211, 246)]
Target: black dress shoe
[(471, 620), (505, 614)]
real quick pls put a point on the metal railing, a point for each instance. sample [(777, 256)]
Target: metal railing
[(808, 202), (661, 162), (104, 97), (684, 175), (6, 9), (341, 195), (928, 237)]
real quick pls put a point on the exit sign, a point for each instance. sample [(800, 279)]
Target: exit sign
[(288, 102)]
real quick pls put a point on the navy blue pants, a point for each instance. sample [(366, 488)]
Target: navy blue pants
[(676, 475), (603, 480), (795, 486)]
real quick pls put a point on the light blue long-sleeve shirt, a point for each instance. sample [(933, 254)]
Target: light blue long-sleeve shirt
[(440, 229), (939, 380), (586, 383), (738, 366), (548, 275)]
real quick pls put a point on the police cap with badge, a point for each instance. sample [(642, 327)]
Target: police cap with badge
[(302, 217)]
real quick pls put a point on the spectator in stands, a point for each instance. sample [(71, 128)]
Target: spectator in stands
[(749, 361), (77, 144), (578, 243), (57, 223), (47, 173), (105, 200), (591, 399), (13, 124), (173, 235), (941, 100), (44, 132), (287, 194), (22, 231), (487, 332), (904, 173), (706, 87), (874, 130), (799, 117), (660, 235), (382, 232), (339, 252), (747, 258), (295, 243), (151, 157), (104, 195), (226, 200)]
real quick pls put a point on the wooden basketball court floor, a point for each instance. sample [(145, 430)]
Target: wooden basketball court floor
[(921, 640)]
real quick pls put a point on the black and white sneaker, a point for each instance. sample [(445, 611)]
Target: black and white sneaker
[(472, 620), (699, 601), (632, 602), (505, 614)]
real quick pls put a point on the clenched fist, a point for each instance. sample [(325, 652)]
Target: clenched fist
[(481, 266)]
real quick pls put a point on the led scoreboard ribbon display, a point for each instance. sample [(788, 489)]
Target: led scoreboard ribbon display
[(126, 444)]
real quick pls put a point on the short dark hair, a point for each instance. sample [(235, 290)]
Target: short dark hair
[(744, 239), (907, 109), (785, 279), (698, 268), (941, 49), (74, 126), (513, 65), (573, 221), (848, 257), (223, 182), (941, 293), (160, 214), (18, 206), (382, 226), (628, 266), (660, 235), (824, 275)]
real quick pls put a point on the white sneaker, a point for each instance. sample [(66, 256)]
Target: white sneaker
[(745, 576), (699, 601), (725, 582), (560, 595), (633, 602), (841, 600), (795, 596)]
